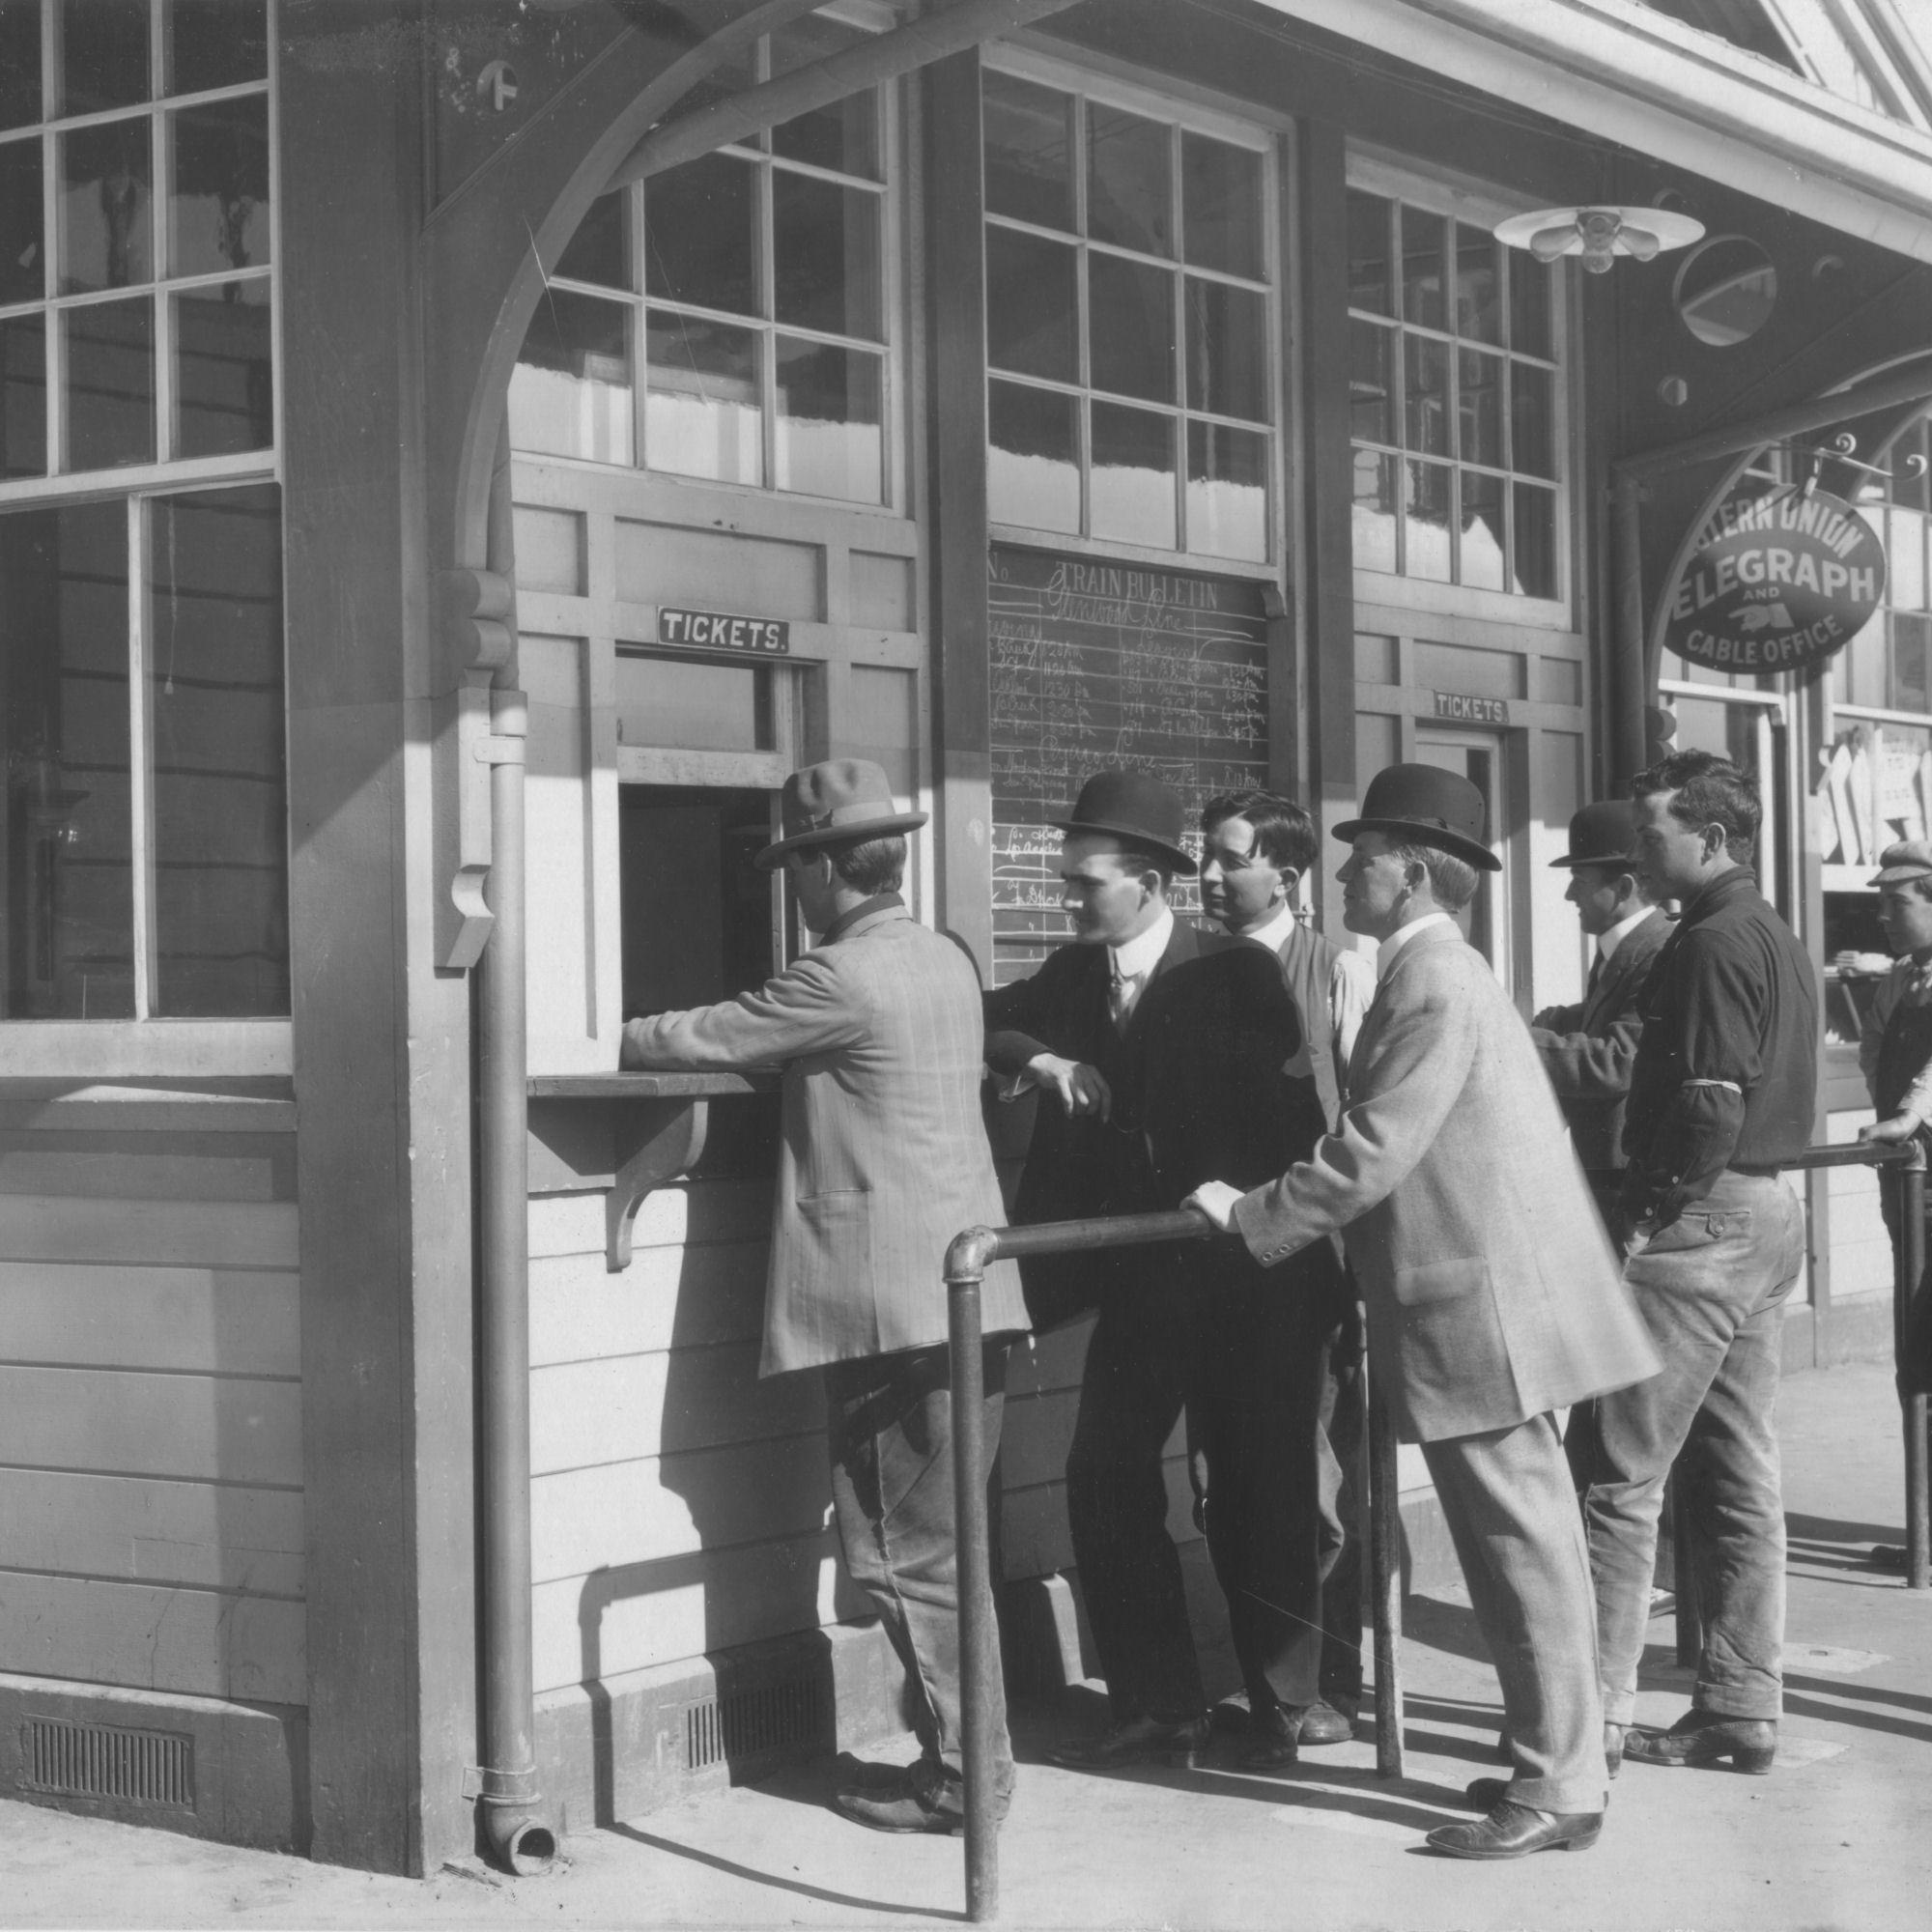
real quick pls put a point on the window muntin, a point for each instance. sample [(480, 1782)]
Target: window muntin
[(1131, 339), (136, 219), (1889, 665), (1455, 391), (754, 289)]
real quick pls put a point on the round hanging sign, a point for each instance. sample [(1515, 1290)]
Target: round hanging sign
[(1779, 583)]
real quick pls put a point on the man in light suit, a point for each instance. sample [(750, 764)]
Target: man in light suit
[(1492, 1298), (883, 1159)]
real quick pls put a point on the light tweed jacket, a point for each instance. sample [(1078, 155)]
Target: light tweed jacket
[(1491, 1293), (884, 1155)]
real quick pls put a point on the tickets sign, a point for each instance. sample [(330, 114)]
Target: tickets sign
[(721, 631), (1779, 583)]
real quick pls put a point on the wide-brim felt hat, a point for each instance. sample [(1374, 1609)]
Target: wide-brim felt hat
[(1134, 807), (838, 803), (1603, 834), (1424, 805)]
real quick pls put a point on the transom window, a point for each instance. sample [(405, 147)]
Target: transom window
[(136, 226), (753, 286), (1131, 323), (1454, 402)]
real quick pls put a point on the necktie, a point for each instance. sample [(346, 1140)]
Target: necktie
[(1595, 974), (1120, 991)]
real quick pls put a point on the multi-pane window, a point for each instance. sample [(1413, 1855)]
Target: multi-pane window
[(1889, 665), (1454, 402), (751, 288), (1131, 323), (136, 292)]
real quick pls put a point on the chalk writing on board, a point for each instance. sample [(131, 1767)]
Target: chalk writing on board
[(1093, 666)]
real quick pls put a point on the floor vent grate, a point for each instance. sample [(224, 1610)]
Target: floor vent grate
[(752, 1723), (106, 1761)]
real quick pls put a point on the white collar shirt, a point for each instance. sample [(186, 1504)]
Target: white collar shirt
[(1129, 965), (1609, 942), (1386, 955)]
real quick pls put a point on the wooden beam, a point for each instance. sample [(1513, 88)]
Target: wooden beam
[(947, 31)]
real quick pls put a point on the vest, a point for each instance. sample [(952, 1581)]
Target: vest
[(1902, 1053), (1308, 966)]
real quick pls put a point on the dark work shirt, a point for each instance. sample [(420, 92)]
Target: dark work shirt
[(1726, 1071)]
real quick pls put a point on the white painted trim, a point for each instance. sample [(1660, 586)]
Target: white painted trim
[(148, 1049)]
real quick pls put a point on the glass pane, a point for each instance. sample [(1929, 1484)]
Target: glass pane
[(1422, 300), (1133, 476), (1370, 383), (692, 705), (1032, 470), (1375, 517), (570, 394), (218, 212), (20, 63), (1426, 527), (216, 44), (1426, 398), (110, 384), (1904, 534), (1129, 195), (824, 249), (1532, 419), (1130, 320), (1028, 140), (69, 904), (23, 266), (844, 135), (1911, 661), (1227, 350), (700, 233), (221, 769), (597, 251), (1227, 491), (1478, 305), (1479, 404), (701, 406), (1482, 544), (1862, 676), (105, 229), (1530, 306), (23, 396), (1535, 553), (1032, 307), (1221, 206), (830, 442), (1369, 253), (103, 54), (224, 369)]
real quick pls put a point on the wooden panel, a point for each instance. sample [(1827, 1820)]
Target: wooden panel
[(140, 1530), (705, 570), (235, 1430), (216, 1107), (154, 1638), (252, 1234), (235, 1320), (622, 1513), (708, 1210), (147, 1167), (558, 806), (640, 1616), (667, 1297), (631, 1406)]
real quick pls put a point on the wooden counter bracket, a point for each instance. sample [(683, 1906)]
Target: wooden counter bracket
[(671, 1139)]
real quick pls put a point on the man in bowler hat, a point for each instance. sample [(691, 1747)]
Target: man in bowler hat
[(883, 1160), (1163, 1052), (1492, 1298)]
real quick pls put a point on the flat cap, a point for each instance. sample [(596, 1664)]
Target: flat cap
[(1909, 859)]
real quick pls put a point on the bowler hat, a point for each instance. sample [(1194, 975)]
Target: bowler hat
[(838, 803), (1601, 835), (1133, 806), (1424, 805), (1909, 859)]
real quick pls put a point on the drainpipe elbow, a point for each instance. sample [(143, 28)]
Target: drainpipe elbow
[(515, 1832)]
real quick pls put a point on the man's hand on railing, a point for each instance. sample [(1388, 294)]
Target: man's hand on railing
[(1216, 1200), (1889, 1133), (1080, 1089)]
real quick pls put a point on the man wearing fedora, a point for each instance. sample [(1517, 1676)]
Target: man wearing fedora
[(883, 1159), (1164, 1052), (1492, 1298)]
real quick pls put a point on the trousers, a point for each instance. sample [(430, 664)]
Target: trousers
[(1711, 1287), (889, 1427)]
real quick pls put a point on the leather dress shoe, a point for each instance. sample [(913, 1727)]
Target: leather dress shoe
[(1705, 1737), (1513, 1831), (1322, 1723), (925, 1798), (1273, 1739), (1138, 1740)]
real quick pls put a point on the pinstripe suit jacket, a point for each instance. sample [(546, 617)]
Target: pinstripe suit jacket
[(1491, 1293), (884, 1155)]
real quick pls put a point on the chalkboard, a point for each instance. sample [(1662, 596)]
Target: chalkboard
[(1097, 664)]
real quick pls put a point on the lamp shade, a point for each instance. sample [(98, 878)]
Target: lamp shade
[(1599, 233)]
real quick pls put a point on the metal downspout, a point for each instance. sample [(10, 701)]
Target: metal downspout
[(510, 1812)]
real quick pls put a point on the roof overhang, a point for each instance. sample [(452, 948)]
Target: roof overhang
[(1632, 75)]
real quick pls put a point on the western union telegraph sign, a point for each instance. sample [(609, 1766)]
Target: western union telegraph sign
[(1779, 583)]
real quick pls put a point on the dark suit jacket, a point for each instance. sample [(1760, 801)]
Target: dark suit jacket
[(1588, 1049), (1200, 1094)]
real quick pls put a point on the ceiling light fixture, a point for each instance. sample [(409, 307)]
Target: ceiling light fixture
[(1599, 233)]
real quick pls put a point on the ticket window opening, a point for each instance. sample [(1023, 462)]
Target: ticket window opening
[(1478, 757)]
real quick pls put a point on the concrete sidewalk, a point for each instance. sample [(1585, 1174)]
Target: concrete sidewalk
[(1839, 1836)]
